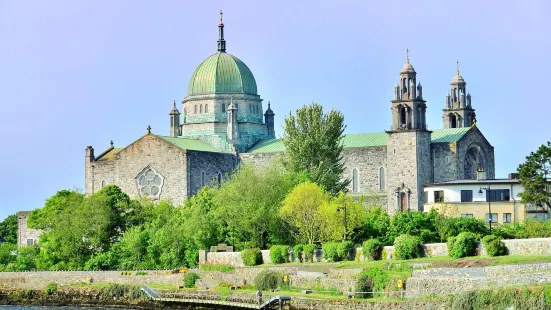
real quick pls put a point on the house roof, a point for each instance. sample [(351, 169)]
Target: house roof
[(190, 144), (109, 154), (365, 140)]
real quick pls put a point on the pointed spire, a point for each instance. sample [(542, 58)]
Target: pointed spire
[(221, 41), (457, 68), (269, 110), (407, 55), (174, 103)]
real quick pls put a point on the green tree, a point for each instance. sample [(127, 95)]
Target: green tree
[(376, 225), (533, 175), (63, 200), (333, 214), (415, 224), (303, 210), (314, 143), (249, 203), (8, 229)]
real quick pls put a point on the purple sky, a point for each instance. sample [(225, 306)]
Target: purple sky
[(78, 73)]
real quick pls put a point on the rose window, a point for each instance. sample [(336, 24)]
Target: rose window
[(150, 183)]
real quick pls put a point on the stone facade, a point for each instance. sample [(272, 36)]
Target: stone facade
[(26, 235)]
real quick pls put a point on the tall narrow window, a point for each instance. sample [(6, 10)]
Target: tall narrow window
[(223, 107), (201, 109), (381, 179), (355, 180), (203, 178), (206, 108), (219, 178), (195, 109)]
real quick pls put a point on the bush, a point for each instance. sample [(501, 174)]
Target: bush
[(252, 257), (330, 251), (363, 285), (268, 280), (189, 279), (297, 252), (118, 291), (141, 273), (372, 249), (216, 267), (51, 288), (407, 247), (309, 251), (462, 245), (279, 254), (494, 246), (379, 278), (344, 248)]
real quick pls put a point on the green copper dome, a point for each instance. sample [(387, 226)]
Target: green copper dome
[(222, 73)]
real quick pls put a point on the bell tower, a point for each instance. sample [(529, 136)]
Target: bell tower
[(458, 112), (409, 164)]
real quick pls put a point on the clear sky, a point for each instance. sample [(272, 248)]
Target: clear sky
[(79, 73)]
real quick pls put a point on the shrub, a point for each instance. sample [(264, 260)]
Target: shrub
[(268, 280), (379, 278), (51, 288), (141, 273), (363, 285), (330, 251), (297, 252), (344, 248), (279, 254), (462, 245), (309, 251), (407, 247), (494, 246), (252, 257), (372, 249), (189, 279)]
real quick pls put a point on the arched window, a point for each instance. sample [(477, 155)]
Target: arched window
[(219, 178), (201, 109), (195, 109), (453, 121), (103, 183), (404, 86), (355, 185), (203, 178), (206, 108), (223, 107), (403, 202), (403, 117), (382, 179)]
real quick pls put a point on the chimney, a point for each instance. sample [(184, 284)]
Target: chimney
[(481, 174), (513, 176)]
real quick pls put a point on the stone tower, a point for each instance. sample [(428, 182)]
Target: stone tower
[(408, 148), (174, 121), (458, 112), (233, 129), (269, 120)]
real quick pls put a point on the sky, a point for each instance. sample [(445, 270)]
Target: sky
[(79, 73)]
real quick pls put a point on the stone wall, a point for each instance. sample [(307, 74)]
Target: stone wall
[(316, 304), (537, 246), (26, 235), (367, 161), (475, 140)]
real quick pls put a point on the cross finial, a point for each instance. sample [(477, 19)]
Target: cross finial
[(148, 129), (111, 143), (174, 103), (268, 104), (221, 16), (407, 55)]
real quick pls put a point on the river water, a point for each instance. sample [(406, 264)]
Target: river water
[(50, 308)]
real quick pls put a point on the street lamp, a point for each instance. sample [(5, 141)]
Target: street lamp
[(343, 208), (489, 196)]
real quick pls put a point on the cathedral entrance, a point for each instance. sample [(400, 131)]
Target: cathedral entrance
[(403, 202)]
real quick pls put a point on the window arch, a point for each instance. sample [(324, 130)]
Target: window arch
[(103, 183), (382, 179), (203, 178), (206, 108), (355, 183), (201, 109), (219, 177), (223, 107), (195, 109)]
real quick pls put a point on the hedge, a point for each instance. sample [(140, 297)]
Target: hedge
[(252, 257), (462, 245), (494, 246), (372, 249), (407, 247)]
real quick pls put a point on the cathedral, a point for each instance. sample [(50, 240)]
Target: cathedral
[(223, 122)]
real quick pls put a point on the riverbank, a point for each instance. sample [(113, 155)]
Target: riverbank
[(93, 297)]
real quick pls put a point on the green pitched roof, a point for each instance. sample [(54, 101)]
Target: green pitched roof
[(365, 140), (190, 144), (222, 73)]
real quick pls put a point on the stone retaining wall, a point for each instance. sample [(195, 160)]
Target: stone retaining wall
[(316, 304), (535, 246)]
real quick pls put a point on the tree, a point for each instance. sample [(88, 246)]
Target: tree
[(302, 209), (533, 175), (334, 216), (313, 144), (8, 230), (64, 199)]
